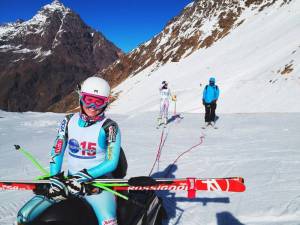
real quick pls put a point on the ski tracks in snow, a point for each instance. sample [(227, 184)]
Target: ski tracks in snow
[(10, 205)]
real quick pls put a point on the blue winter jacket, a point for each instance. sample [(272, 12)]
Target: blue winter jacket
[(210, 93)]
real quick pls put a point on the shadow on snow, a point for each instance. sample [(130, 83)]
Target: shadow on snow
[(170, 200), (176, 117), (226, 218)]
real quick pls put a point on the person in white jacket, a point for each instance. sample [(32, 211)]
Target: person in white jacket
[(165, 95)]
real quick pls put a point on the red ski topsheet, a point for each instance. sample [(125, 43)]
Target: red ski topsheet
[(16, 186), (214, 184), (191, 185)]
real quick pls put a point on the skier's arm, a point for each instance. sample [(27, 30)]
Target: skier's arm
[(58, 149), (113, 137), (203, 95), (217, 93)]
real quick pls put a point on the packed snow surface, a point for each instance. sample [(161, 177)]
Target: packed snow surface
[(262, 148)]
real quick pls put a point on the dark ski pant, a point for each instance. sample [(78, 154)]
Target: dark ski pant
[(103, 204), (210, 112)]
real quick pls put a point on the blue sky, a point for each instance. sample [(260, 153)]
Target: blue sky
[(127, 23)]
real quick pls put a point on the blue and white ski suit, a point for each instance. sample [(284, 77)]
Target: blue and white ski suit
[(165, 95), (95, 148)]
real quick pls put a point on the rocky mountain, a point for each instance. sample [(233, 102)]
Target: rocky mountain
[(200, 24), (42, 59), (256, 65)]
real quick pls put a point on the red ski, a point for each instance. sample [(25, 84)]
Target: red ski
[(235, 184), (191, 185)]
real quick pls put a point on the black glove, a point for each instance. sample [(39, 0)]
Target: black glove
[(75, 183), (203, 102), (58, 190)]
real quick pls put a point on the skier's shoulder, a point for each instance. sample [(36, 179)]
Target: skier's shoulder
[(69, 116), (108, 123), (110, 129), (215, 87), (63, 127)]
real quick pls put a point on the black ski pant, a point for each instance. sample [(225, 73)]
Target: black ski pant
[(210, 111)]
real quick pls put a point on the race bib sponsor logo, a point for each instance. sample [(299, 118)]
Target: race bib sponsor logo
[(58, 146), (112, 134), (83, 150), (109, 152), (74, 146), (110, 222), (63, 126)]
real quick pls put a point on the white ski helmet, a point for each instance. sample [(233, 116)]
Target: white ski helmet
[(95, 86)]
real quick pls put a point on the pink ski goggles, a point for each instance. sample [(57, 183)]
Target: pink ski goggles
[(93, 101)]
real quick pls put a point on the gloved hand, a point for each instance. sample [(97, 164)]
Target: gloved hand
[(75, 183), (203, 102), (58, 190)]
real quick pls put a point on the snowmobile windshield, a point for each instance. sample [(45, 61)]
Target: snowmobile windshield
[(93, 101)]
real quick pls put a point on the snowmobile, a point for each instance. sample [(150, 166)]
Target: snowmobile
[(143, 208), (75, 211)]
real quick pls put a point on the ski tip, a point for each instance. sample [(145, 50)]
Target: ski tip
[(240, 179)]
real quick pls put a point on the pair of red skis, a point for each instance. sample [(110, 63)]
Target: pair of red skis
[(142, 183), (191, 185)]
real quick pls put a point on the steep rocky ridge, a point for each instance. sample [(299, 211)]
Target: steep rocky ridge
[(42, 59)]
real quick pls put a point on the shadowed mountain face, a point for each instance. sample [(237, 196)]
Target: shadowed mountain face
[(199, 25), (42, 59)]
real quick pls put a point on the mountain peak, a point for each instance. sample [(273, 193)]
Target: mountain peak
[(53, 48), (47, 11), (56, 5)]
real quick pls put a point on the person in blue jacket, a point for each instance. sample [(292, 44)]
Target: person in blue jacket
[(209, 100), (91, 142)]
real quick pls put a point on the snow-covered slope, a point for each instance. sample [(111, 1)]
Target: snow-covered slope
[(262, 148), (256, 67)]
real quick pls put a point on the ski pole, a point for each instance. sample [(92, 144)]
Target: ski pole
[(96, 184), (33, 160), (174, 99), (104, 187)]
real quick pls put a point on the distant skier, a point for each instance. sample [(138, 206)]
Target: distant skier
[(92, 144), (209, 100), (165, 96)]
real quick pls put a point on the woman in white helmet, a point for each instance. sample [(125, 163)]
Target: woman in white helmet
[(92, 145), (165, 95)]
